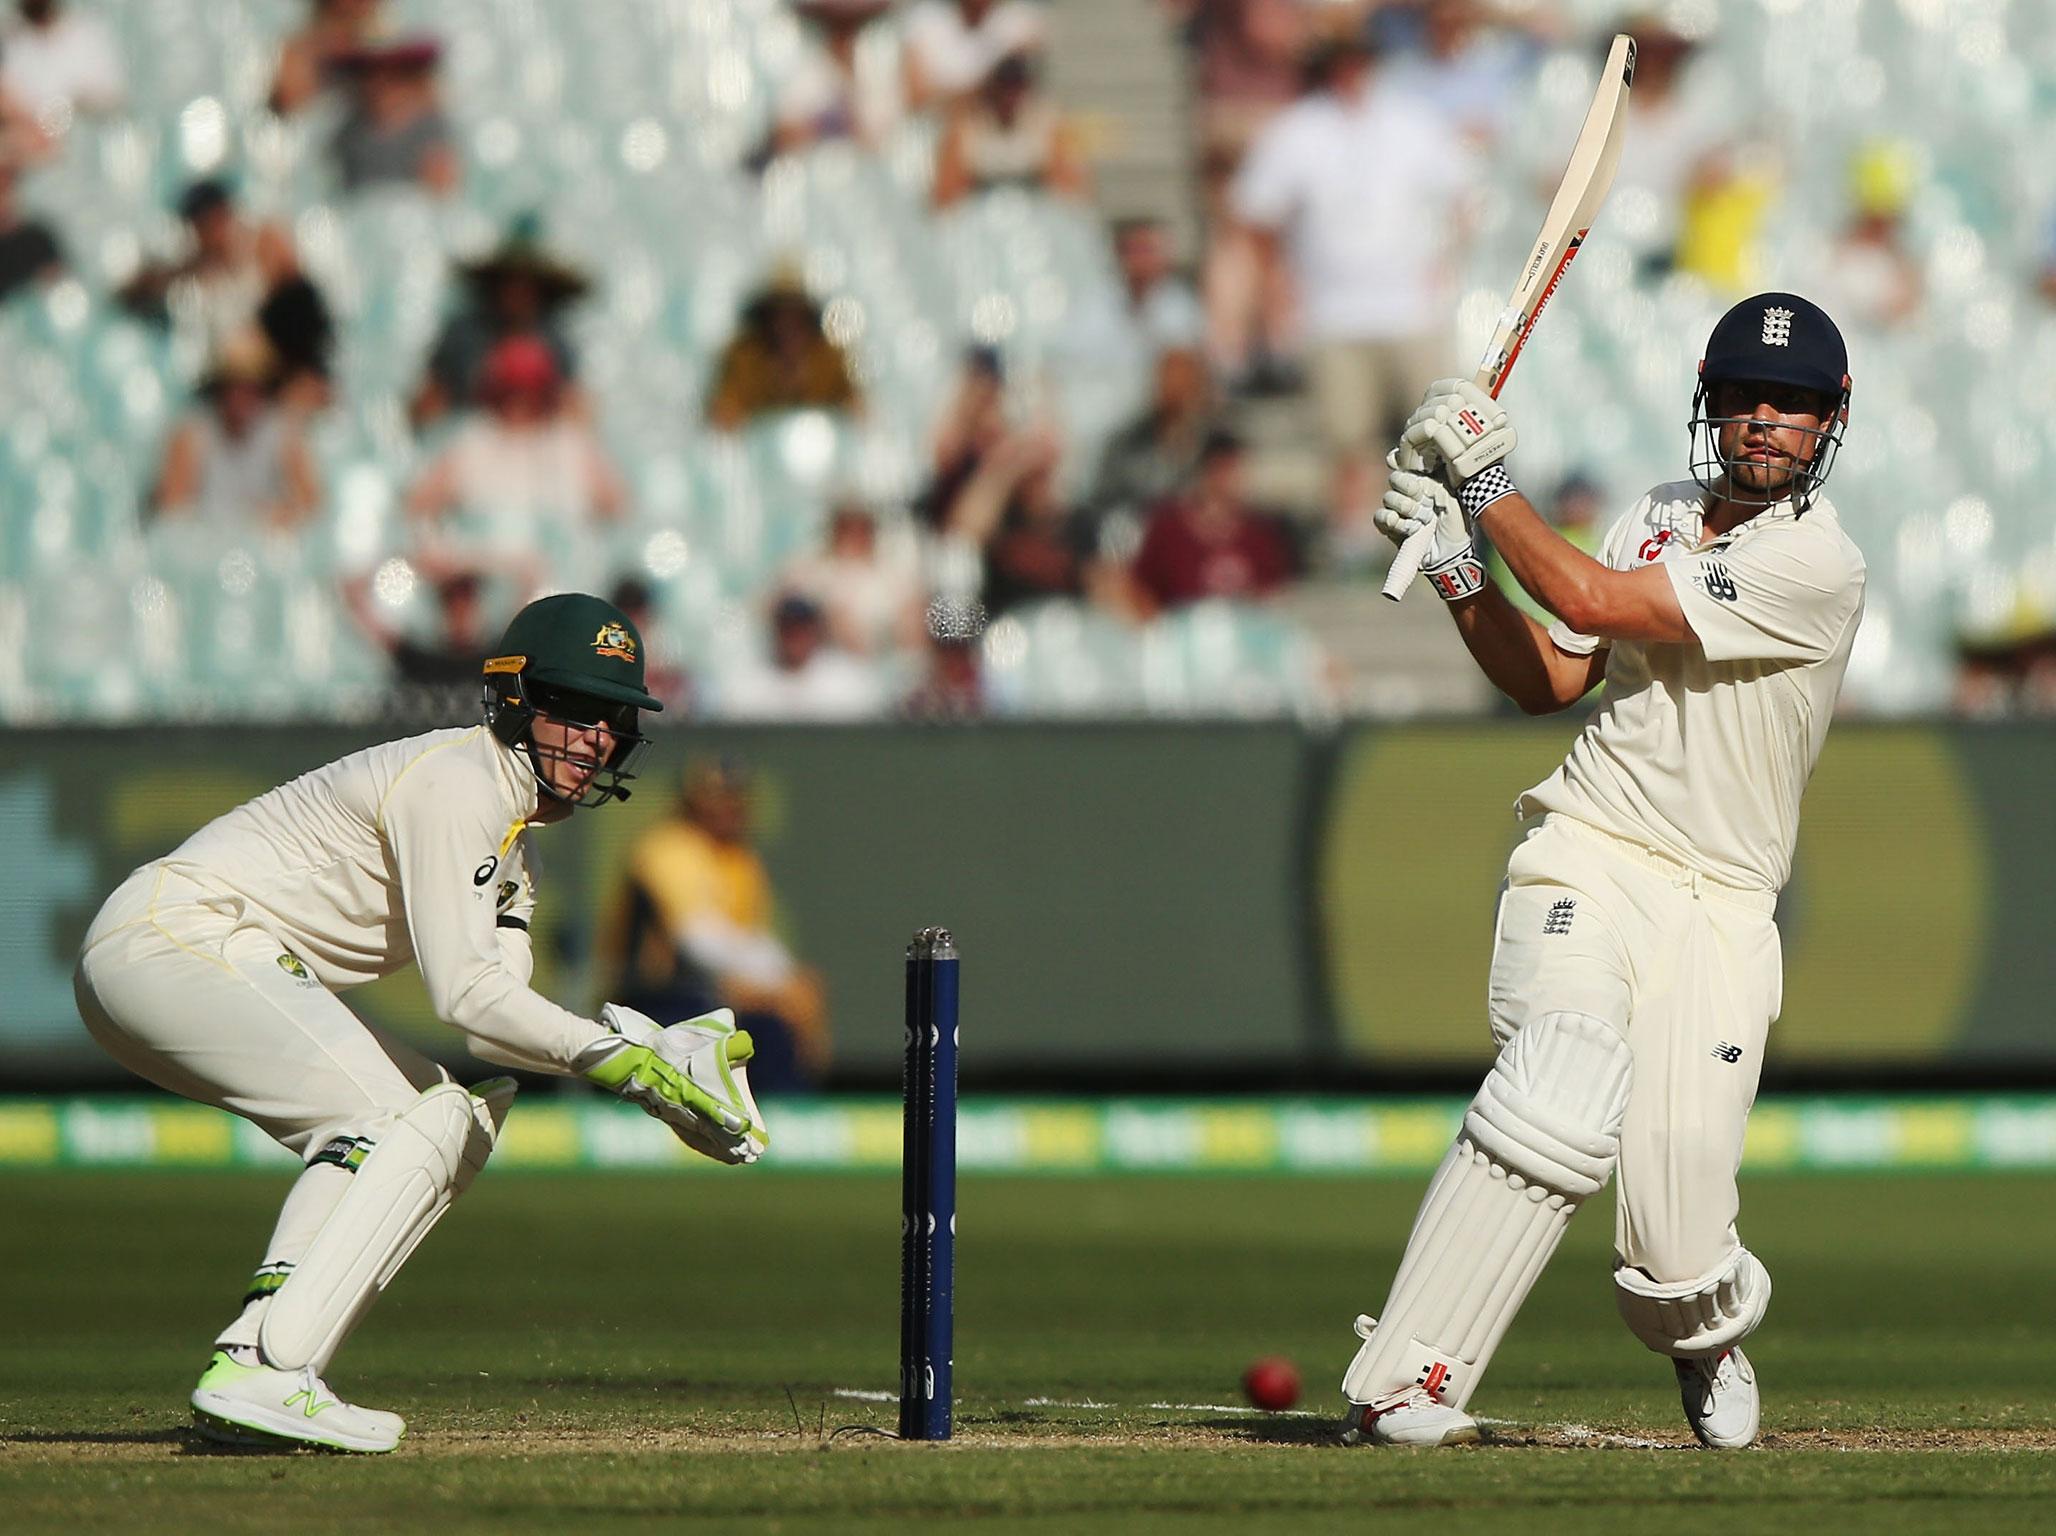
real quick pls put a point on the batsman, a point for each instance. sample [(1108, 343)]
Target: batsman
[(214, 972), (1636, 962)]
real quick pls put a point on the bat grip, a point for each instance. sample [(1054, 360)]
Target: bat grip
[(1407, 563)]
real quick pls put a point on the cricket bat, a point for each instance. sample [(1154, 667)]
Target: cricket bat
[(1570, 216)]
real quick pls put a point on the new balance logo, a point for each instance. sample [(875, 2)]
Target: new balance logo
[(1720, 586), (1777, 327), (1560, 915), (1728, 1053), (305, 1400)]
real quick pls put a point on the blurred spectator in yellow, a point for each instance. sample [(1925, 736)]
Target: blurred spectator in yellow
[(1154, 455), (694, 929), (662, 675), (395, 133), (1359, 184), (1161, 304), (1574, 509), (870, 596), (952, 45), (807, 676), (1246, 69), (848, 85), (1209, 542), (1008, 134), (238, 277), (1473, 60), (312, 60), (240, 461), (779, 359), (1675, 143), (521, 288), (520, 479), (1873, 279), (437, 675), (29, 252), (60, 63)]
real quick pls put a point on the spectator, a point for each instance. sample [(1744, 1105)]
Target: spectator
[(240, 461), (1161, 304), (520, 479), (241, 278), (663, 677), (952, 45), (1359, 183), (60, 64), (953, 685), (23, 141), (437, 676), (871, 598), (29, 252), (395, 132), (1155, 455), (1246, 70), (1473, 61), (1007, 135), (1008, 509), (1674, 143), (779, 360), (313, 60), (693, 931), (807, 677), (1873, 278), (972, 425), (519, 289), (1208, 543), (846, 87)]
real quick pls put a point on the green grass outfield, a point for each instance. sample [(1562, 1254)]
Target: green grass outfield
[(590, 1352)]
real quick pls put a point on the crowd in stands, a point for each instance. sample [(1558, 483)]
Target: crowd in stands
[(1334, 148)]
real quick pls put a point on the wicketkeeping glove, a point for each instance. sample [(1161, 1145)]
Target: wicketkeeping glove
[(1459, 429), (1415, 503), (691, 1080)]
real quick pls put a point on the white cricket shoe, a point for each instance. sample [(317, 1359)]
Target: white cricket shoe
[(1721, 1401), (255, 1404), (1416, 1419)]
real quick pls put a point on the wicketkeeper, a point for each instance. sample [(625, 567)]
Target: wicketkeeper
[(1636, 965), (214, 973)]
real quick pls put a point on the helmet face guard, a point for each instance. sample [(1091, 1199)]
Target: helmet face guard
[(512, 708), (1715, 471)]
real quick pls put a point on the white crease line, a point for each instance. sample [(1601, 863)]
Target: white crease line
[(865, 1397)]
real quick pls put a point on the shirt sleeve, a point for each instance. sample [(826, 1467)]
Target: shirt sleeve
[(437, 822), (1266, 189), (1786, 594), (1575, 642)]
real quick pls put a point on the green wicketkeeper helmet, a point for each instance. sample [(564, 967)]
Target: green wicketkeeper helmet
[(577, 659)]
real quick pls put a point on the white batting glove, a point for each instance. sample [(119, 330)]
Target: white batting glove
[(1459, 429), (1415, 502)]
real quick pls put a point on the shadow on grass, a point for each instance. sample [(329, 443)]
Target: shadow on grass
[(1295, 1431)]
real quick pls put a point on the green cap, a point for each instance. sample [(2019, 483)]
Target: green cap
[(579, 643)]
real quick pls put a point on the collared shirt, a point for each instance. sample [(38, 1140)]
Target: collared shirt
[(1702, 750)]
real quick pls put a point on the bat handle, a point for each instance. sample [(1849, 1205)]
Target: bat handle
[(1407, 563)]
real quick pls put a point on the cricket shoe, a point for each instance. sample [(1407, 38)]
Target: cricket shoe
[(257, 1405), (1416, 1419), (1721, 1401)]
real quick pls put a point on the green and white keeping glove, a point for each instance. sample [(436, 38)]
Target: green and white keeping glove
[(692, 1080)]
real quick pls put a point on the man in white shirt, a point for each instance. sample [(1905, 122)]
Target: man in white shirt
[(807, 677), (1358, 182), (1636, 965), (213, 973), (952, 45), (58, 63)]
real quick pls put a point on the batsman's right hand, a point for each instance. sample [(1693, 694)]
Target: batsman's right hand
[(696, 1099)]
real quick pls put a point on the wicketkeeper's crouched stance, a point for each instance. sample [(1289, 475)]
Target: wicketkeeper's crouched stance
[(1636, 965), (210, 972)]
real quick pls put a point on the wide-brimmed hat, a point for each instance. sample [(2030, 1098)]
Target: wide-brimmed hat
[(522, 254)]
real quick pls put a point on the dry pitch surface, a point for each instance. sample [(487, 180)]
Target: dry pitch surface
[(581, 1353)]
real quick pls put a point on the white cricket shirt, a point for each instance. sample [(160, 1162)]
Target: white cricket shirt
[(1702, 751), (409, 851)]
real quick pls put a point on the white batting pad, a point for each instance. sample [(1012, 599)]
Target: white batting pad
[(1541, 1136), (1695, 1317), (421, 1162)]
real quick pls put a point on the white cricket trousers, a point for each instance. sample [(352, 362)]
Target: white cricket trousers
[(1690, 972), (182, 986)]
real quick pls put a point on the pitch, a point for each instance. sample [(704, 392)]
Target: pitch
[(579, 1353)]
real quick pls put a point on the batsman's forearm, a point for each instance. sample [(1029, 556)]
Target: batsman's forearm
[(1555, 572), (1511, 649)]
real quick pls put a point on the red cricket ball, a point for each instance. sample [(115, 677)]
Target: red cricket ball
[(1271, 1383)]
